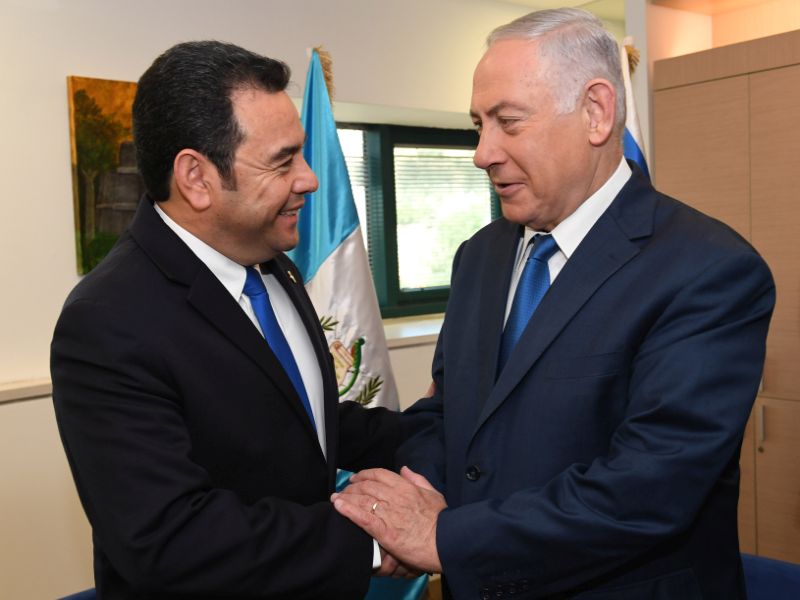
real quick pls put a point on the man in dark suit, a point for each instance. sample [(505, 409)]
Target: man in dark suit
[(203, 459), (588, 449)]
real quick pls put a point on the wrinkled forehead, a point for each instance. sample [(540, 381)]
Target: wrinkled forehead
[(509, 71)]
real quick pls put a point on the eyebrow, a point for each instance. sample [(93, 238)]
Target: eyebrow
[(288, 151), (498, 107)]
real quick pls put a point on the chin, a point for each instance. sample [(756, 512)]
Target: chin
[(517, 216), (288, 245)]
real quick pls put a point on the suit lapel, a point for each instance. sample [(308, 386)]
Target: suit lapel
[(210, 298), (501, 255), (605, 249)]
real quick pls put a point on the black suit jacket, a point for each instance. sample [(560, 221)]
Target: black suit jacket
[(195, 462), (603, 461)]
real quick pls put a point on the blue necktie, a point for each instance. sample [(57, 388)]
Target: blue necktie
[(532, 286), (259, 299)]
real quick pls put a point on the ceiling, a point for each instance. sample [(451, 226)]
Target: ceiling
[(708, 7), (611, 10), (614, 10)]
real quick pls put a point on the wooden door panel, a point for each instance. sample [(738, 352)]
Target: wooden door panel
[(702, 148), (747, 491), (777, 425), (775, 199)]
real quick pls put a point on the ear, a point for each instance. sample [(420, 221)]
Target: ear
[(192, 174), (600, 110)]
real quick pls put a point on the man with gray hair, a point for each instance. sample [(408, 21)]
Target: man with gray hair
[(600, 354)]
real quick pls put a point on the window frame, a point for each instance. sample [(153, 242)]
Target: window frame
[(379, 143)]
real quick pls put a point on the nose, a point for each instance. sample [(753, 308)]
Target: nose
[(305, 182), (488, 152)]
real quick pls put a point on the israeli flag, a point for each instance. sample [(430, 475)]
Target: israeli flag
[(632, 139)]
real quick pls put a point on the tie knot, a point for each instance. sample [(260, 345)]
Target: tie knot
[(253, 284), (544, 246)]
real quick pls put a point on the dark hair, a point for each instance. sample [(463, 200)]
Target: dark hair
[(184, 101)]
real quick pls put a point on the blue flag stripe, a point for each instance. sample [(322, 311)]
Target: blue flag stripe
[(329, 215), (633, 152)]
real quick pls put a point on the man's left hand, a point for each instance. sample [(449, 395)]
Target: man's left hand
[(400, 511)]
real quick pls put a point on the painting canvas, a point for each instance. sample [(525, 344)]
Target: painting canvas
[(106, 184)]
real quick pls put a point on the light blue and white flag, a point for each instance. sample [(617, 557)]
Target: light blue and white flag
[(333, 261), (632, 142)]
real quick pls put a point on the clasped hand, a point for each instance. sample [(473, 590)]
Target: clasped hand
[(400, 512)]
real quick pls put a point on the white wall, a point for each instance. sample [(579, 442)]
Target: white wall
[(768, 17)]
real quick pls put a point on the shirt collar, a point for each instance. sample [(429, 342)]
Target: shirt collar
[(230, 274), (571, 231)]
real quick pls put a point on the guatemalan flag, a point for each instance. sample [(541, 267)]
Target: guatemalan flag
[(333, 261), (632, 142)]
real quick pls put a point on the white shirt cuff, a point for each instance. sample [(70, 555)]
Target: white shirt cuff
[(376, 555)]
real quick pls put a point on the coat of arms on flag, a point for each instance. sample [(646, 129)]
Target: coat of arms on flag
[(347, 362)]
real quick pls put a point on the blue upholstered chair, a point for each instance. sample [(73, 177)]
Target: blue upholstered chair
[(769, 579), (84, 595)]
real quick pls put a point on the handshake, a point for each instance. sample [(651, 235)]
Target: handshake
[(400, 512)]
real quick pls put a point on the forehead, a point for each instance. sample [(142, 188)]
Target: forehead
[(267, 118), (509, 71)]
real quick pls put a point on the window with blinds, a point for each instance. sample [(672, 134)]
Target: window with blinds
[(441, 199), (352, 141), (418, 196)]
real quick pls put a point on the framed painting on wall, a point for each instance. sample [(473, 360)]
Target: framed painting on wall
[(106, 185)]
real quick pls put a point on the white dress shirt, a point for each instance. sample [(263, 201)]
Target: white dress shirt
[(570, 232)]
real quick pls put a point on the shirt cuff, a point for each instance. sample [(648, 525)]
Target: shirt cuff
[(376, 555)]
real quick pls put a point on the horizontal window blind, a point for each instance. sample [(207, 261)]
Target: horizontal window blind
[(441, 199), (352, 141)]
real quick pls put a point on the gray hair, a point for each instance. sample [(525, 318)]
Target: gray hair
[(576, 48)]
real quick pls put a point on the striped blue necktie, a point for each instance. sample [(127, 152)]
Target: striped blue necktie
[(532, 286), (259, 299)]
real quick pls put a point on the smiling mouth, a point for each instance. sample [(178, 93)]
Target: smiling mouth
[(289, 213)]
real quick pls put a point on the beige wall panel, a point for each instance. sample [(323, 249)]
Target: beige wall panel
[(778, 490), (701, 148), (775, 189), (412, 371), (747, 491), (46, 549)]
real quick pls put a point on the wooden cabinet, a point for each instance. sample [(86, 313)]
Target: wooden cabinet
[(727, 141), (777, 466), (775, 209), (711, 119), (747, 491)]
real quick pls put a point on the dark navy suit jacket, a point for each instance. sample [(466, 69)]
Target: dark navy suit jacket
[(603, 462), (194, 459)]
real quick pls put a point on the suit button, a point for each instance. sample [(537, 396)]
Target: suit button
[(473, 473), (486, 594)]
